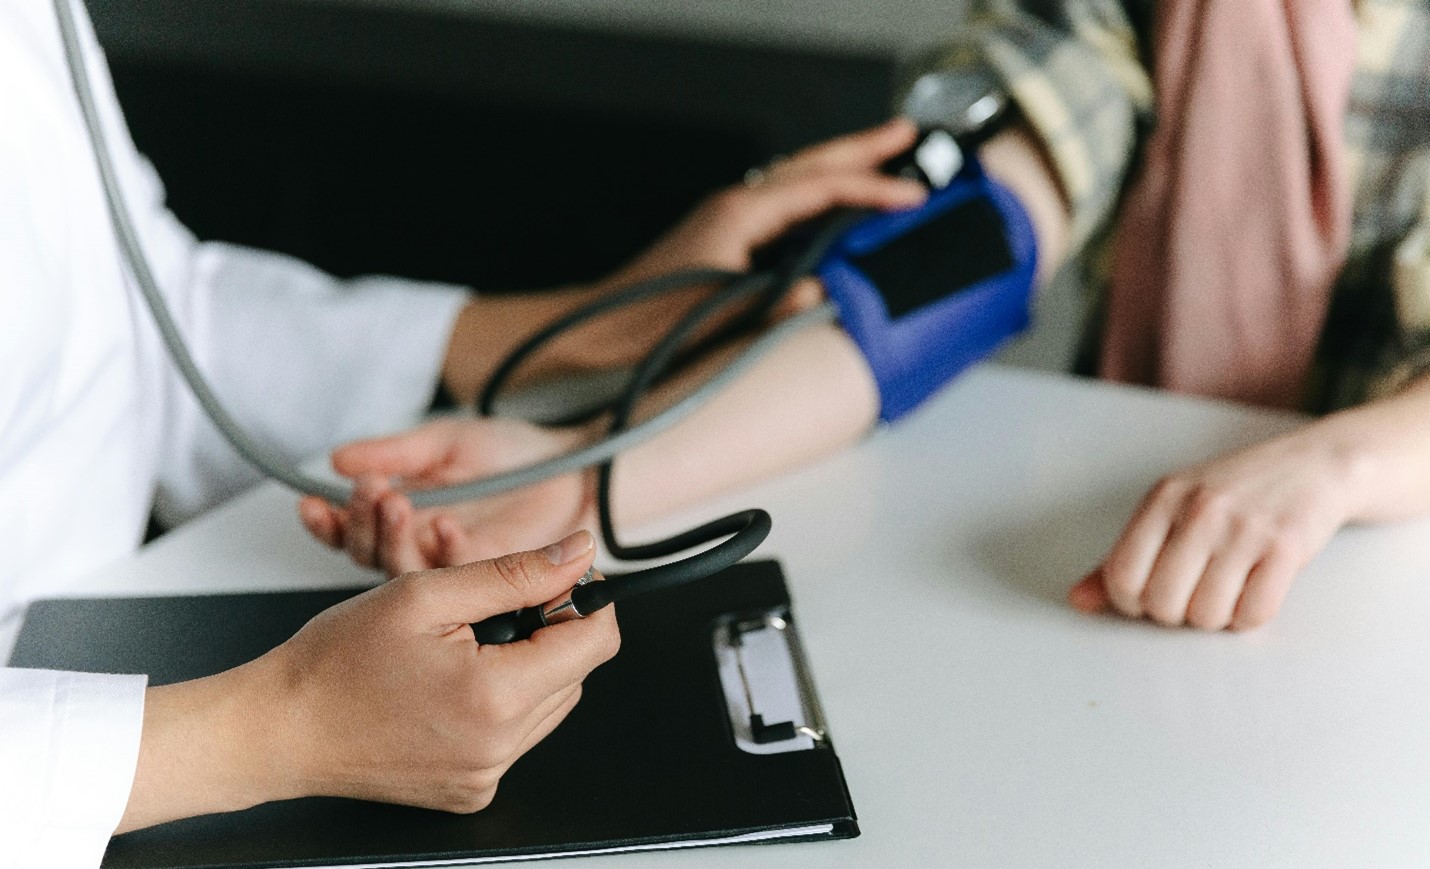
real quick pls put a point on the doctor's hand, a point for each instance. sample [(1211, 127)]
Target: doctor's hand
[(726, 229), (722, 232), (386, 697), (1218, 545), (380, 527)]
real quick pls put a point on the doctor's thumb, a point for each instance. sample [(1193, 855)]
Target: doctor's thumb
[(472, 592)]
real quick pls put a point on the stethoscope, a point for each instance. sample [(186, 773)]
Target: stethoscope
[(760, 289)]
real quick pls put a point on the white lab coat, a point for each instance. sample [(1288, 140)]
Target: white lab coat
[(95, 426)]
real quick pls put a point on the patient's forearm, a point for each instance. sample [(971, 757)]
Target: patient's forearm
[(813, 395), (489, 327), (810, 397), (1386, 446)]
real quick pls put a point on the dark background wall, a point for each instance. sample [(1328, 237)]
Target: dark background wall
[(496, 153)]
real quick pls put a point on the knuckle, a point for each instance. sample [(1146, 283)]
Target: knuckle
[(488, 749), (501, 722), (1168, 488), (1252, 526), (1286, 546), (608, 642), (471, 793), (493, 712), (410, 590), (480, 801), (515, 572), (1206, 503)]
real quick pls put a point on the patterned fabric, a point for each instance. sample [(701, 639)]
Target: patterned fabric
[(1078, 71)]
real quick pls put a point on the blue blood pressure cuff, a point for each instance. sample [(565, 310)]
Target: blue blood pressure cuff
[(927, 292)]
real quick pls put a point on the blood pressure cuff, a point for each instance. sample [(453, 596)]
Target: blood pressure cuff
[(927, 292)]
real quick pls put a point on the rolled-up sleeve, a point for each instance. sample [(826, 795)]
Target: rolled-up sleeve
[(1410, 283), (69, 743), (1076, 74), (1388, 140)]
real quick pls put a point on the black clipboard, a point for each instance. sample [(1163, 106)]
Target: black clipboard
[(684, 763)]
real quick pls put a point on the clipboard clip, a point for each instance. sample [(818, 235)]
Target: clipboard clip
[(769, 694)]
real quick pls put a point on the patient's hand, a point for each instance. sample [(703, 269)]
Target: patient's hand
[(1219, 544), (381, 528)]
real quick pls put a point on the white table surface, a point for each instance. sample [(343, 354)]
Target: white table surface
[(979, 720)]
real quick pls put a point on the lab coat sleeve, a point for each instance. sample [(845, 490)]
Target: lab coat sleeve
[(302, 360), (69, 743)]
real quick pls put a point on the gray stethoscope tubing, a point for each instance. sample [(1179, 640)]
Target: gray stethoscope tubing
[(276, 465)]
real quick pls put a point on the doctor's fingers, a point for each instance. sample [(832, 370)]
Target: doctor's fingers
[(865, 149), (759, 215), (554, 658), (467, 779), (539, 720), (512, 744), (547, 717), (809, 195)]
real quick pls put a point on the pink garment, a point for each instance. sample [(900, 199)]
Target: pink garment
[(1230, 240)]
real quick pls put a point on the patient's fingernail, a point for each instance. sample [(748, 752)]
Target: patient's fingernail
[(570, 548)]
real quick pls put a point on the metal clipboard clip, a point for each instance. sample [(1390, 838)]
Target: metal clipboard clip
[(769, 693)]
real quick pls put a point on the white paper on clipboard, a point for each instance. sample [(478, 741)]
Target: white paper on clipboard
[(762, 665)]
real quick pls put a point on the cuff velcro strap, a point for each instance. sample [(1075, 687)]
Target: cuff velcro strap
[(927, 292)]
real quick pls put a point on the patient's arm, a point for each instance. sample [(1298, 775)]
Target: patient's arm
[(1219, 544), (722, 232), (812, 396)]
